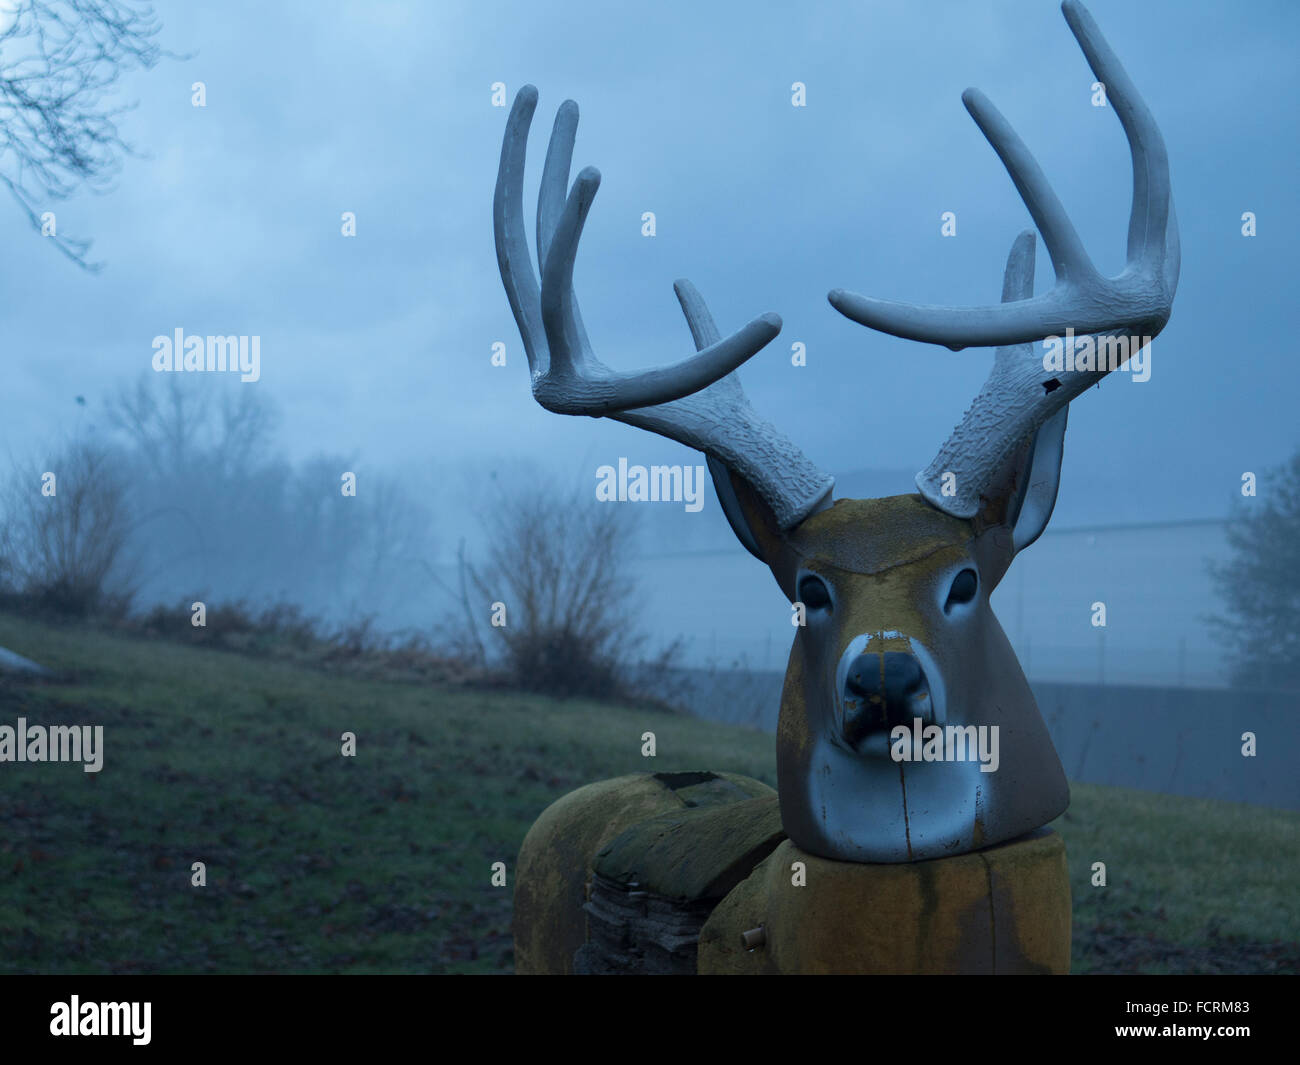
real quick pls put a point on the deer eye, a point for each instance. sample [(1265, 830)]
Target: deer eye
[(813, 593), (964, 587)]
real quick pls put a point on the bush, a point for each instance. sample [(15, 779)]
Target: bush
[(283, 630), (65, 534), (559, 567)]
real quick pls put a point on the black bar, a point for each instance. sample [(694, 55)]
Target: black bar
[(352, 1013)]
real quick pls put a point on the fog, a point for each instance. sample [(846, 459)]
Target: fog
[(376, 350)]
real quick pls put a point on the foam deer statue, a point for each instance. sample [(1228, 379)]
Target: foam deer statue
[(864, 859)]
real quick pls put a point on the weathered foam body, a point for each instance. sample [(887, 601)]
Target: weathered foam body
[(685, 864)]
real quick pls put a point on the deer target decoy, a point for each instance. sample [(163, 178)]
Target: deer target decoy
[(871, 856)]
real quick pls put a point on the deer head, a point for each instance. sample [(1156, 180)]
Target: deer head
[(898, 636)]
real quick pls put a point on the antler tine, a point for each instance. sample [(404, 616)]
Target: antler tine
[(511, 236), (1018, 277), (552, 199), (567, 377), (1140, 299), (703, 330), (1152, 228), (1069, 258), (555, 178)]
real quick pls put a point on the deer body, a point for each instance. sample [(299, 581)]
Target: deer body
[(898, 646), (642, 874)]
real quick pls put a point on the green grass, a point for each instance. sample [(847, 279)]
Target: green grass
[(1193, 885), (382, 862)]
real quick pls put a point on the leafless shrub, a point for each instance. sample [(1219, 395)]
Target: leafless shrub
[(285, 632), (66, 525), (559, 565)]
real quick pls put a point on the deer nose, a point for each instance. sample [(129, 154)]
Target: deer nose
[(881, 691)]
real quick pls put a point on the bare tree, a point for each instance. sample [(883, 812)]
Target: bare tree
[(58, 61), (184, 428), (398, 528), (1260, 584), (220, 508)]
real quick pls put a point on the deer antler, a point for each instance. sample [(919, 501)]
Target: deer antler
[(567, 377), (698, 401), (1020, 395)]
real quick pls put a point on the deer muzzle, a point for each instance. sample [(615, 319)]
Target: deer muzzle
[(884, 680), (883, 690)]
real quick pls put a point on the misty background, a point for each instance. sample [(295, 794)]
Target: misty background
[(376, 349)]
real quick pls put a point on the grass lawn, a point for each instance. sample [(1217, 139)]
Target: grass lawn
[(382, 862)]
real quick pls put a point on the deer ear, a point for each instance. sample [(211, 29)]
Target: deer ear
[(1020, 501), (754, 524), (1040, 479), (731, 507)]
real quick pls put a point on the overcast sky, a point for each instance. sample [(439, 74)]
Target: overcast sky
[(379, 345)]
